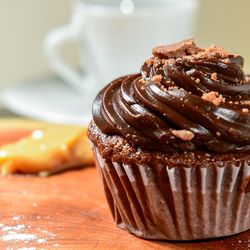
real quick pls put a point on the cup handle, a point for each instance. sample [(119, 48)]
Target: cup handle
[(52, 43)]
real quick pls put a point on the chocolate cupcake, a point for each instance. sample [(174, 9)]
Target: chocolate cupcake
[(173, 145)]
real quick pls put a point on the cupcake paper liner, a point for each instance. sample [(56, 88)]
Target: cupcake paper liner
[(177, 203)]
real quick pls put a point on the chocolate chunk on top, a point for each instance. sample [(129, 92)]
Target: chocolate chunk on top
[(180, 49), (213, 97), (184, 134)]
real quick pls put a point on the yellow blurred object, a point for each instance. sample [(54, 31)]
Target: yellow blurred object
[(7, 123), (48, 149)]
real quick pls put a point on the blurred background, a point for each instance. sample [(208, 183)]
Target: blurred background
[(24, 25)]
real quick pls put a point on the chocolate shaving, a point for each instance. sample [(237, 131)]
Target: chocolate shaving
[(180, 49)]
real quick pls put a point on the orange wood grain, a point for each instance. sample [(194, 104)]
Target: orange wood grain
[(69, 211)]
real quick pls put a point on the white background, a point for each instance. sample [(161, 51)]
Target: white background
[(24, 24)]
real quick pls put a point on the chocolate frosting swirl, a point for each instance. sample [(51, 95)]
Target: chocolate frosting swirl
[(185, 98)]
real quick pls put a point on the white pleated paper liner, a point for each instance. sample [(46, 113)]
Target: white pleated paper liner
[(180, 203)]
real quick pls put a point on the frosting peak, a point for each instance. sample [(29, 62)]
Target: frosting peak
[(185, 98)]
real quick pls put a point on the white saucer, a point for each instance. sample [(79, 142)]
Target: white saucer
[(47, 99)]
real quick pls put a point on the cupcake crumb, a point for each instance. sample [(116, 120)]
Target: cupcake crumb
[(232, 131), (213, 97), (150, 62), (216, 51), (157, 79), (246, 102), (218, 133), (142, 80), (184, 134), (214, 76), (226, 60), (197, 80)]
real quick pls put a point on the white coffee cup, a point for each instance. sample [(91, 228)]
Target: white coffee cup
[(115, 37)]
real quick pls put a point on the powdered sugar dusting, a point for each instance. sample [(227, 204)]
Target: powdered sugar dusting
[(24, 234), (15, 228), (27, 248), (41, 240), (15, 218), (16, 236)]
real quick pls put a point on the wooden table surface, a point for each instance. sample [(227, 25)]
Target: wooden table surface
[(69, 211)]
